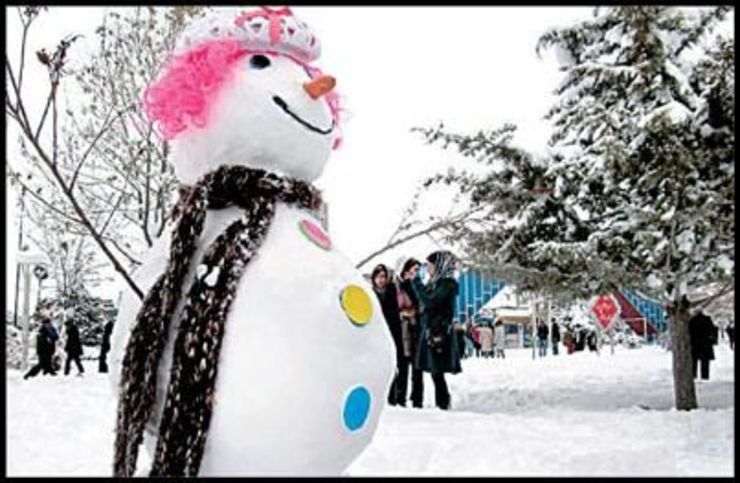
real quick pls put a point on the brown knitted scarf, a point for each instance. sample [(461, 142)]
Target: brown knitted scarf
[(190, 395)]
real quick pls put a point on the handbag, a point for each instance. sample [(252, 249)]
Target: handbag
[(436, 338)]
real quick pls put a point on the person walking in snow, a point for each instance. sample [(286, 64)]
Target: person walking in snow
[(73, 348), (555, 337), (475, 337), (409, 310), (388, 298), (569, 341), (704, 335), (486, 340), (731, 334), (105, 347), (499, 339), (542, 333), (438, 350), (46, 340)]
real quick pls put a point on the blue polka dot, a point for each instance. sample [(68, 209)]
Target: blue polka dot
[(356, 408)]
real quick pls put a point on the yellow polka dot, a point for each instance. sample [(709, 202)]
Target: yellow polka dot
[(356, 303)]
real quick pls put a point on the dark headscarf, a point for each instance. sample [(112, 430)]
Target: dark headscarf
[(444, 263)]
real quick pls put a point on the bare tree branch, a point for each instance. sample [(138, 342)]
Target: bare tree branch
[(112, 212), (123, 252), (84, 220), (49, 100), (19, 107), (703, 302), (445, 223), (24, 37), (41, 200), (102, 131)]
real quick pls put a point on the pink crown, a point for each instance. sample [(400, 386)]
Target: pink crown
[(266, 28)]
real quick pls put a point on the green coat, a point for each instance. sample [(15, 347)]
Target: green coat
[(438, 307)]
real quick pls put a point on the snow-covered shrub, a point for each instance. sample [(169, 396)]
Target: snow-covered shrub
[(89, 313), (13, 346)]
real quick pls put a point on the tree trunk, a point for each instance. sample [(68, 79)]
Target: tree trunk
[(683, 364)]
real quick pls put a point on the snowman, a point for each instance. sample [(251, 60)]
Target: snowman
[(258, 349)]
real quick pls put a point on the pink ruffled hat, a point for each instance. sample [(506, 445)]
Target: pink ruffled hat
[(264, 28)]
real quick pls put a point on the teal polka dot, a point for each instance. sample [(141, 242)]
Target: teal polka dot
[(356, 408)]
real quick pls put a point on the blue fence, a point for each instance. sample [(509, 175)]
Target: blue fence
[(651, 309), (475, 290)]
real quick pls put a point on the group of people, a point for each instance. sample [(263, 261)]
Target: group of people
[(579, 339), (419, 317), (47, 338), (487, 339), (542, 338)]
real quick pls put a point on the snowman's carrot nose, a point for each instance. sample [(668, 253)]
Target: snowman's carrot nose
[(320, 86)]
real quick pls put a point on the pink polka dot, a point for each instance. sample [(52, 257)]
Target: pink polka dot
[(313, 232)]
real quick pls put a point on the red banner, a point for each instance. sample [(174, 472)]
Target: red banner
[(605, 309)]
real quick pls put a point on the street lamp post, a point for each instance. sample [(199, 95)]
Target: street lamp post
[(17, 265), (25, 260)]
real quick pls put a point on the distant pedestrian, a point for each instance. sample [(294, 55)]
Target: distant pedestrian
[(438, 352), (73, 348), (46, 340), (731, 335), (105, 347), (475, 337), (704, 336), (569, 341), (499, 339), (555, 337), (542, 333), (486, 340), (592, 341), (580, 338)]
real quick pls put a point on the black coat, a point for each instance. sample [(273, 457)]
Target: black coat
[(73, 347), (542, 332), (46, 341), (388, 299), (107, 330), (438, 307), (704, 335), (555, 333)]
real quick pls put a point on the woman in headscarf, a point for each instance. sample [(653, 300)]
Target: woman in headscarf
[(388, 298), (438, 351)]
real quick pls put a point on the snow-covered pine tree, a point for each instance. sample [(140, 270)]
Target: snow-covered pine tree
[(641, 173)]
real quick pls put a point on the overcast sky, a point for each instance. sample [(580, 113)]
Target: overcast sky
[(471, 67)]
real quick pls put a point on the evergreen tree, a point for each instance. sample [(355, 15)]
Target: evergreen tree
[(639, 189)]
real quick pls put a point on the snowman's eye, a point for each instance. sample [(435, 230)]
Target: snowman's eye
[(259, 61)]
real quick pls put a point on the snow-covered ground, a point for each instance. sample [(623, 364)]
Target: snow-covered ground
[(573, 415)]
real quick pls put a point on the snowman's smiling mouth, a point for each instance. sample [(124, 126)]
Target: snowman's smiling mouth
[(284, 106)]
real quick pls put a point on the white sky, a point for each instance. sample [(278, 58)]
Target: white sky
[(472, 67)]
